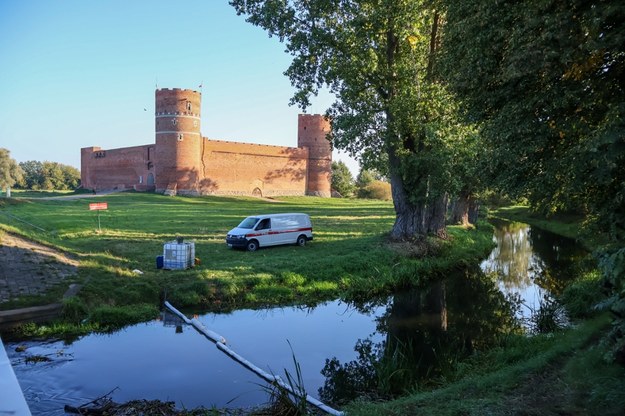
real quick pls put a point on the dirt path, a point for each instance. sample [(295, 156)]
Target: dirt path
[(29, 268)]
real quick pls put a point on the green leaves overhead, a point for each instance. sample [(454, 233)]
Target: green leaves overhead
[(378, 57), (546, 78)]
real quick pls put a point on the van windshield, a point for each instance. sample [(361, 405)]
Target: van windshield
[(248, 223)]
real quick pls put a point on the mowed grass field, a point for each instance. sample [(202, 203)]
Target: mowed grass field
[(348, 258)]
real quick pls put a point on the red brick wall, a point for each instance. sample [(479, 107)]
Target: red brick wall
[(125, 168), (232, 168), (178, 140), (312, 130)]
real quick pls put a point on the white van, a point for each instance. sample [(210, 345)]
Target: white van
[(271, 230)]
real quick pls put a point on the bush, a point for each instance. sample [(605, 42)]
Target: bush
[(581, 296), (612, 264), (376, 190)]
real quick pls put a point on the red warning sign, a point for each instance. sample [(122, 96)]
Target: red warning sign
[(98, 206)]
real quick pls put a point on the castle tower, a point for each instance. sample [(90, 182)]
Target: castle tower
[(178, 153), (311, 133)]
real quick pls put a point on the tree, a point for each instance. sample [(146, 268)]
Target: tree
[(547, 85), (376, 190), (342, 180), (49, 175), (546, 82), (10, 172), (33, 174), (365, 177), (470, 162), (378, 58), (71, 177)]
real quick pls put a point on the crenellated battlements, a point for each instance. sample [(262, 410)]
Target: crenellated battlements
[(178, 89)]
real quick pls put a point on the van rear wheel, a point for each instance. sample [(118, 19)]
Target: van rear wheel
[(301, 240), (252, 245)]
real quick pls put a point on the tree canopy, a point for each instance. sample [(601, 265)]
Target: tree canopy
[(10, 172), (342, 179), (378, 58), (546, 81), (49, 175)]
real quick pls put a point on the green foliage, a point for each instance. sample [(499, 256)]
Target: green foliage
[(582, 296), (118, 317), (545, 81), (10, 172), (48, 176), (598, 385), (379, 60), (612, 264), (365, 177), (376, 190), (342, 179), (74, 310), (549, 317), (64, 330)]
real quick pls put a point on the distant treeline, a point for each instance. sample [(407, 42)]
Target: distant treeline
[(47, 176), (369, 184)]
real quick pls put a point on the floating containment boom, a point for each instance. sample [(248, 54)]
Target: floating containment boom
[(220, 342)]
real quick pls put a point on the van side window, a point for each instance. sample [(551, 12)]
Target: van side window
[(264, 224)]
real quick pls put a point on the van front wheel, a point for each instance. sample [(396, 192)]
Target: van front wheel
[(252, 245), (301, 240)]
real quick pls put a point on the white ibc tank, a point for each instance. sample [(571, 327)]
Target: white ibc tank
[(178, 256)]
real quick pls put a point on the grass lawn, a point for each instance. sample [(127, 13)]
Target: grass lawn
[(348, 258)]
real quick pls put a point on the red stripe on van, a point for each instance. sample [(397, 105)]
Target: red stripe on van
[(280, 232)]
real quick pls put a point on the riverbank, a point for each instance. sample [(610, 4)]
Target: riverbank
[(567, 372)]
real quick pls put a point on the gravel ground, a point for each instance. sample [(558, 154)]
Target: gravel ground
[(29, 268)]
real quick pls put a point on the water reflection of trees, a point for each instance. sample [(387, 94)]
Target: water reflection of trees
[(427, 330), (562, 259), (513, 259), (525, 256)]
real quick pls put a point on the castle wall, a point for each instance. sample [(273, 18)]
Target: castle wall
[(181, 161), (232, 168), (124, 168)]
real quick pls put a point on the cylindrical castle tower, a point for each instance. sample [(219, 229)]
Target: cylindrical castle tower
[(178, 153), (312, 130)]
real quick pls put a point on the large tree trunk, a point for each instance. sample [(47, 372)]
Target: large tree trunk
[(474, 209), (465, 209), (408, 217), (434, 221), (414, 220), (460, 210)]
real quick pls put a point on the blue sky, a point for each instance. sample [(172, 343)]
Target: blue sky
[(83, 73)]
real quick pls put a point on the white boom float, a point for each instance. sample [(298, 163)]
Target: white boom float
[(220, 342)]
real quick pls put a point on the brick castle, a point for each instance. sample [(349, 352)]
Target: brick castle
[(183, 162)]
